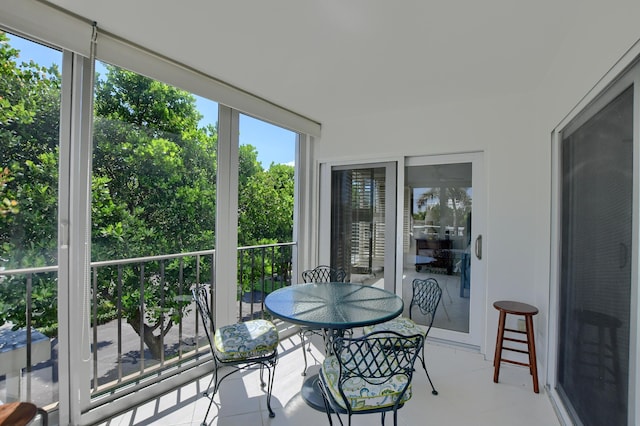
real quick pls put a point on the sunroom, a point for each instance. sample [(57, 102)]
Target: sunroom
[(155, 146)]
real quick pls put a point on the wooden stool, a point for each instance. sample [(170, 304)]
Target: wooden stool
[(17, 413), (516, 308)]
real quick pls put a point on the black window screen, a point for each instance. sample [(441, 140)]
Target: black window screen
[(595, 288)]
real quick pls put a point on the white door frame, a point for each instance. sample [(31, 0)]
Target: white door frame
[(478, 302), (324, 222)]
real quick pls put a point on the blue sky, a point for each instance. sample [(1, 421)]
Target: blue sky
[(274, 144)]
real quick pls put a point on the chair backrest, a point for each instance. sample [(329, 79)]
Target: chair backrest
[(378, 358), (426, 296), (323, 274), (202, 299)]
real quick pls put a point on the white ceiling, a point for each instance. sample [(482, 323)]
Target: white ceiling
[(328, 58)]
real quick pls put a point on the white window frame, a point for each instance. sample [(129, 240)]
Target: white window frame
[(625, 72), (53, 26)]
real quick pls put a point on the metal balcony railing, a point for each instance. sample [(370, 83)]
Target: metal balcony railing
[(262, 269), (143, 323)]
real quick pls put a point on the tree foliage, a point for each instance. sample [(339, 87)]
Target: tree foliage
[(153, 192), (154, 170), (29, 111), (266, 206), (453, 207), (29, 116), (7, 205)]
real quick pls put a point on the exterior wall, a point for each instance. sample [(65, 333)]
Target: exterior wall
[(514, 132)]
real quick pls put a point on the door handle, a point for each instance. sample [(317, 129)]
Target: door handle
[(623, 255), (479, 247)]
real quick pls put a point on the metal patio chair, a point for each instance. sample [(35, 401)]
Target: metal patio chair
[(426, 295), (242, 346), (369, 374), (319, 274)]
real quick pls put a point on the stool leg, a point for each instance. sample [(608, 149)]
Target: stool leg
[(498, 355), (533, 364)]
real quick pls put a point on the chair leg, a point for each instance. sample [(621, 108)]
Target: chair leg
[(433, 389), (262, 383), (424, 365), (269, 385), (211, 395), (304, 352), (204, 421), (444, 306), (533, 364), (327, 408), (271, 371), (214, 377), (497, 358), (446, 288)]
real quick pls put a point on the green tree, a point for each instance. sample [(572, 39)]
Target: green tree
[(266, 207), (453, 207), (29, 116), (7, 205), (153, 193), (265, 216), (248, 164)]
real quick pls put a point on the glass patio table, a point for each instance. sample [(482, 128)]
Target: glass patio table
[(333, 307)]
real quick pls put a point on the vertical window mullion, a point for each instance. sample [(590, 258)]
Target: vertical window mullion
[(226, 216), (73, 243)]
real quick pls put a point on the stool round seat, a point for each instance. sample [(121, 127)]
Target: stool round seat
[(515, 308), (17, 413), (510, 307)]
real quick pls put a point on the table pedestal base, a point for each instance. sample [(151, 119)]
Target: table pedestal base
[(312, 394)]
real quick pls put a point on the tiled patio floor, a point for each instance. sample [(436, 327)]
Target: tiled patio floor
[(467, 396)]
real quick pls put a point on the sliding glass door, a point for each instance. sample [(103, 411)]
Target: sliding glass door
[(362, 222), (431, 228), (595, 291), (442, 239)]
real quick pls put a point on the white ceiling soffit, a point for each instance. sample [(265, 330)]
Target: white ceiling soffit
[(333, 58)]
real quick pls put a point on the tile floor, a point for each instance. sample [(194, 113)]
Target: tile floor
[(467, 396)]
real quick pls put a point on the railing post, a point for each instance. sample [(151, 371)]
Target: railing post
[(240, 285), (119, 308), (181, 293), (28, 313), (142, 317), (162, 308), (94, 312)]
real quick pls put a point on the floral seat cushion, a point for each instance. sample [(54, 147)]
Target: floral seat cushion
[(401, 325), (361, 394), (245, 340)]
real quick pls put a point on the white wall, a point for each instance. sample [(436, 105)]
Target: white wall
[(501, 128), (600, 36), (514, 132)]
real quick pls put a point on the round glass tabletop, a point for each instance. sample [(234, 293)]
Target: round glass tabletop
[(333, 305)]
